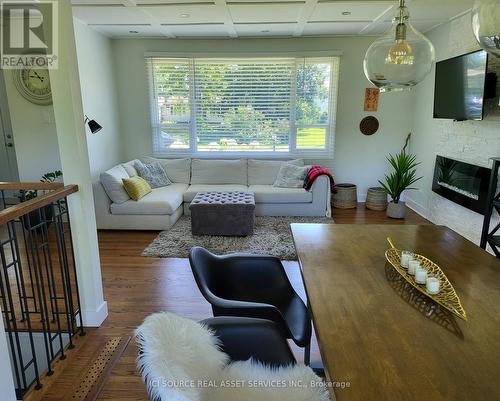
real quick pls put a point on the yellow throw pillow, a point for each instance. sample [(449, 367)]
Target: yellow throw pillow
[(136, 187)]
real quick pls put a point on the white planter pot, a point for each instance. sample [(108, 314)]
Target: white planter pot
[(396, 210)]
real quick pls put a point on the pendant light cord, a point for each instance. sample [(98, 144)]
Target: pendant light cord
[(401, 9)]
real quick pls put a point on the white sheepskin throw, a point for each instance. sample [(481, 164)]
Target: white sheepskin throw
[(177, 353), (181, 361)]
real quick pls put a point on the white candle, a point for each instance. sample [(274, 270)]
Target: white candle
[(405, 259), (421, 276), (432, 285), (413, 265)]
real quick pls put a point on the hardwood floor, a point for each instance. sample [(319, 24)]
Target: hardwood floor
[(136, 286)]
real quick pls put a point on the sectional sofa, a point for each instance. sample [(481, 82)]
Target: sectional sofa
[(163, 206)]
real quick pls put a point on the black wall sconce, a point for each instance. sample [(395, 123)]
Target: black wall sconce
[(94, 126)]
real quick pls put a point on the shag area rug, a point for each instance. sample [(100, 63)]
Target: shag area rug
[(272, 236)]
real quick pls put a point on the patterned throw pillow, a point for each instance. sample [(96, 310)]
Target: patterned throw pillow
[(291, 176), (136, 187), (153, 173)]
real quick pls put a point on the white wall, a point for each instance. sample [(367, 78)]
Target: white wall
[(471, 141), (34, 132), (99, 96), (357, 158), (33, 126)]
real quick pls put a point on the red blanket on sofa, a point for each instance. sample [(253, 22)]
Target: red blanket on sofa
[(314, 172)]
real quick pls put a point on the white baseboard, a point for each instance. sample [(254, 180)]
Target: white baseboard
[(417, 208), (94, 318), (361, 198)]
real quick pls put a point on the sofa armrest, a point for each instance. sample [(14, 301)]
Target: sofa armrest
[(321, 186), (322, 194), (102, 202)]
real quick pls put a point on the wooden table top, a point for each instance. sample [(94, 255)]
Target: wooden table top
[(377, 335)]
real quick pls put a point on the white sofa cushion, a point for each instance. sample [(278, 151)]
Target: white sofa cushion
[(219, 171), (291, 176), (194, 189), (264, 172), (161, 201), (130, 168), (178, 170), (270, 194), (112, 182)]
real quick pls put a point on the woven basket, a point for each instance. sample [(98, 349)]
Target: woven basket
[(346, 196), (376, 199)]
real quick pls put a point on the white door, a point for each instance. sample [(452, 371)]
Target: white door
[(8, 162)]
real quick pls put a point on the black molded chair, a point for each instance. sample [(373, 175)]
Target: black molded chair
[(243, 338), (252, 286)]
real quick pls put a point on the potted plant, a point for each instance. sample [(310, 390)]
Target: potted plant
[(403, 175), (33, 218)]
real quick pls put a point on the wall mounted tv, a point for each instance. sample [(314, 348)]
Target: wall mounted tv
[(460, 87)]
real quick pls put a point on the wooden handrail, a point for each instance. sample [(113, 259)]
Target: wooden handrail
[(23, 208), (17, 186)]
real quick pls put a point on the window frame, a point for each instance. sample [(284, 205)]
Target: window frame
[(192, 151)]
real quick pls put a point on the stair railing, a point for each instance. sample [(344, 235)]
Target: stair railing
[(39, 294)]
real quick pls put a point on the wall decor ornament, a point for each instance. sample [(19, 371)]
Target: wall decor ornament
[(369, 125), (371, 99), (401, 58)]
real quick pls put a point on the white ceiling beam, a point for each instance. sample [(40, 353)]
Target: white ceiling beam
[(304, 17), (227, 18), (155, 23), (378, 20)]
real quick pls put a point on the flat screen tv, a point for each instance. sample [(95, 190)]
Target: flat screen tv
[(459, 87)]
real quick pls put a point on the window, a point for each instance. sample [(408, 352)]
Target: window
[(263, 106)]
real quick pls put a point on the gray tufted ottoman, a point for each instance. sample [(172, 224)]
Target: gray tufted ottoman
[(222, 213)]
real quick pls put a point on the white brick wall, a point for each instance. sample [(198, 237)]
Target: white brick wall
[(474, 142)]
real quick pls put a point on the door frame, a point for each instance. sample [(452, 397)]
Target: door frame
[(6, 127)]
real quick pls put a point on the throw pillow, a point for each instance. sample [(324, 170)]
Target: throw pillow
[(153, 173), (136, 187), (291, 176), (111, 180)]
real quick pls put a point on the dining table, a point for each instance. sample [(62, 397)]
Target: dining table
[(379, 337)]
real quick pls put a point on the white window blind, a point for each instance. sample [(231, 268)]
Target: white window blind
[(264, 106)]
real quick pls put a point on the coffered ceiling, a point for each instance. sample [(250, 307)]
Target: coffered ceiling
[(256, 18)]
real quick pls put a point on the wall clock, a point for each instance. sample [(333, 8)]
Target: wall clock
[(34, 85)]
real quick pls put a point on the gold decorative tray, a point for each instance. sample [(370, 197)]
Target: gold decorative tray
[(447, 296)]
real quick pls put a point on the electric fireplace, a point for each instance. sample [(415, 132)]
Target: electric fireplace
[(462, 183)]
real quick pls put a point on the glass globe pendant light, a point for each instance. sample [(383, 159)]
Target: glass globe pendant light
[(486, 25), (401, 58)]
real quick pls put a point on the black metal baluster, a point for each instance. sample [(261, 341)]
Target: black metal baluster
[(30, 267), (59, 227), (10, 321), (28, 319), (41, 294), (50, 279)]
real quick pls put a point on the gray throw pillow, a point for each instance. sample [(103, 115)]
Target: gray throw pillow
[(291, 176), (153, 173)]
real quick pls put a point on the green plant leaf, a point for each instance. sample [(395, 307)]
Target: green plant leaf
[(403, 175)]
